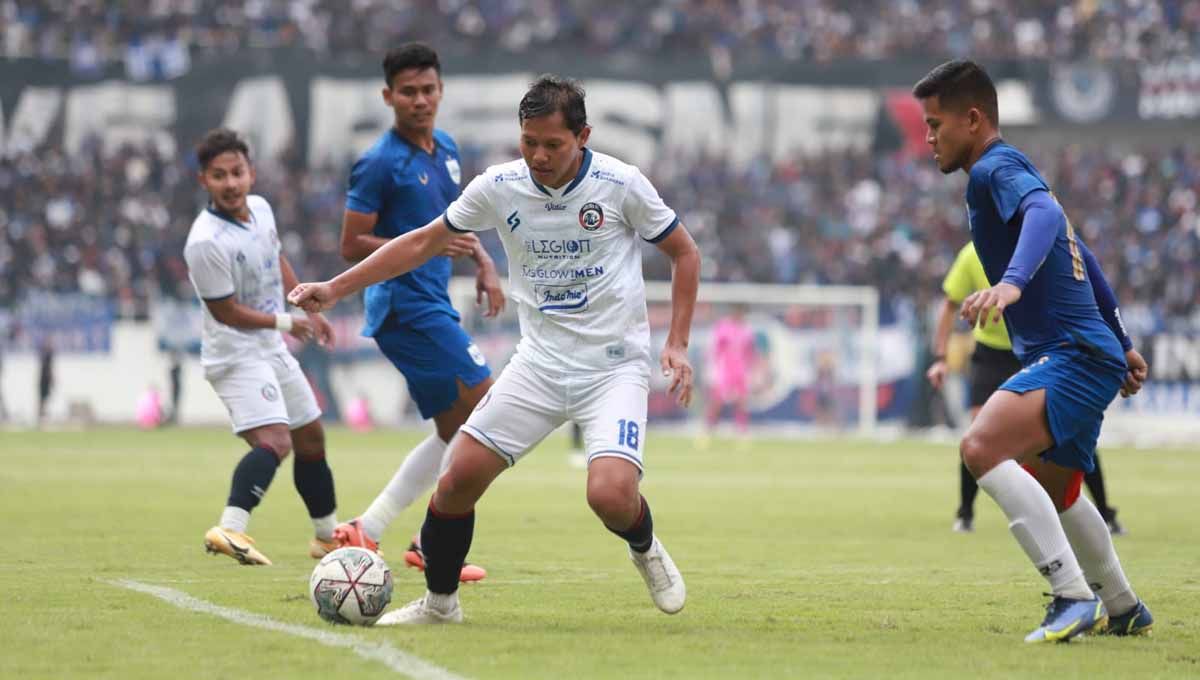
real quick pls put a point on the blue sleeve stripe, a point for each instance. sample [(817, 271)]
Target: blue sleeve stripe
[(218, 298), (665, 232), (450, 225)]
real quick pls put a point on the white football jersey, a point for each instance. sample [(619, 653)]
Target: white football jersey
[(227, 258), (574, 257)]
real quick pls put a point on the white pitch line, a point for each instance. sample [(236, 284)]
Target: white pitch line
[(398, 660)]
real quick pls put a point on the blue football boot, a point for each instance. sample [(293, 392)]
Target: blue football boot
[(1067, 618), (1136, 621)]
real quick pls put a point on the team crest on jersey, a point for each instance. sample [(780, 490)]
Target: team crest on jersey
[(455, 171), (591, 216)]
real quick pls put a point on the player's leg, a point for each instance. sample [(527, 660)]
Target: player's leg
[(612, 415), (520, 410), (310, 469), (314, 482), (1012, 427), (1094, 481), (251, 393), (577, 457), (447, 376), (1092, 543)]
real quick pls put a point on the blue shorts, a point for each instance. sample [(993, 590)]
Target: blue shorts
[(1079, 387), (432, 353)]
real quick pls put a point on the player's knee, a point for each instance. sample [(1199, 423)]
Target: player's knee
[(310, 446), (279, 444), (975, 453), (612, 501), (455, 494)]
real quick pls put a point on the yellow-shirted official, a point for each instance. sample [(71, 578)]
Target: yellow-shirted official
[(965, 277)]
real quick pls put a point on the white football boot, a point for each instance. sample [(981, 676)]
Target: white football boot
[(662, 577), (418, 612)]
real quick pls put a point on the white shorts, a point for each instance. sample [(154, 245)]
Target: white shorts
[(259, 392), (527, 403)]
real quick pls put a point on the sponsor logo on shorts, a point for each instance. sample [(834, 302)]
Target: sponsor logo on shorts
[(269, 392), (1035, 364), (476, 355), (562, 299), (591, 216)]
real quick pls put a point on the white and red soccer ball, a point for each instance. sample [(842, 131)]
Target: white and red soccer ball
[(351, 586)]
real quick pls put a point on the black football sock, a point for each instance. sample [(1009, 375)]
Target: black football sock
[(445, 541), (968, 488), (640, 536), (1095, 486), (314, 481), (252, 477)]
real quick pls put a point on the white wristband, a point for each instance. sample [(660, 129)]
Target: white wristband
[(283, 322)]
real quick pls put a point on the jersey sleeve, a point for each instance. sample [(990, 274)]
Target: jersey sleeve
[(1008, 185), (645, 211), (957, 284), (368, 182), (473, 209), (209, 270)]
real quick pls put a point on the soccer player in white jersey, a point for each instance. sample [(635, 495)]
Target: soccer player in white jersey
[(572, 222), (237, 267)]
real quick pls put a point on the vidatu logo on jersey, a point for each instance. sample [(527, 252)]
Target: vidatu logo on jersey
[(591, 216)]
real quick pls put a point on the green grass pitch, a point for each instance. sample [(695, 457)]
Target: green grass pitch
[(803, 559)]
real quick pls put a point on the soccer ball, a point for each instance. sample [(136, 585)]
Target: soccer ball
[(352, 586)]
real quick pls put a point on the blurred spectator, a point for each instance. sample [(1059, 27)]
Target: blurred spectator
[(114, 227), (157, 38)]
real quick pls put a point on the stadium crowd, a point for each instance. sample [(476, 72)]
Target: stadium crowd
[(159, 38), (115, 226)]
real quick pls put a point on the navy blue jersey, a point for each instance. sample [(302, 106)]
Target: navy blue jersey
[(408, 188), (1057, 307)]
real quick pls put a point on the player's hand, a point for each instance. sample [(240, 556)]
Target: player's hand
[(936, 375), (1138, 371), (459, 246), (487, 283), (987, 306), (313, 297), (322, 330), (302, 329), (675, 365)]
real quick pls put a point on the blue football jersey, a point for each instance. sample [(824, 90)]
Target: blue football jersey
[(407, 187), (1057, 307)]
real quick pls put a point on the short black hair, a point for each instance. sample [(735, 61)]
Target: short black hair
[(961, 84), (551, 93), (218, 141), (416, 55)]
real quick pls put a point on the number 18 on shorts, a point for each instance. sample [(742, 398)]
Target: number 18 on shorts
[(527, 404)]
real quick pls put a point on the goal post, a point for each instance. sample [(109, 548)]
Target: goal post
[(816, 359)]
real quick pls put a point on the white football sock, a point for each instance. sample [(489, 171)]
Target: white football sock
[(323, 526), (442, 602), (1034, 523), (416, 475), (235, 519), (1093, 545)]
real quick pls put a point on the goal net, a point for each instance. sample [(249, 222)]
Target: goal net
[(815, 360)]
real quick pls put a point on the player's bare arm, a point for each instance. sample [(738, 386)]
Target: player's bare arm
[(232, 313), (400, 256), (685, 282), (358, 237), (321, 329), (936, 375)]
